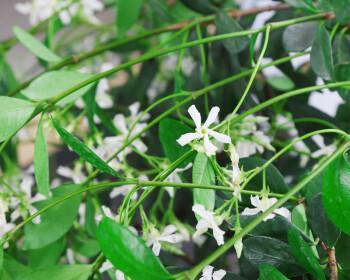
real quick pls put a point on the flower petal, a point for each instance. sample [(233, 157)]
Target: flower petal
[(219, 274), (213, 114), (250, 211), (188, 137), (255, 201), (223, 138), (195, 115), (156, 248), (283, 212), (218, 235), (208, 271), (209, 147)]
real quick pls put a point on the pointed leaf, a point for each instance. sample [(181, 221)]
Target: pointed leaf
[(53, 83), (128, 13), (66, 272), (304, 254), (41, 162), (35, 46), (203, 174), (129, 253), (14, 114), (268, 272), (55, 222), (299, 37), (82, 150)]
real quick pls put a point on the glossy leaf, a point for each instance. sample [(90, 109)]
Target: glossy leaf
[(336, 192), (129, 253), (304, 254), (321, 54), (56, 221), (226, 24), (269, 272), (54, 83), (128, 13), (82, 150), (67, 272), (319, 221), (41, 162), (35, 46), (203, 6), (14, 114), (299, 37), (203, 174), (342, 10), (169, 131), (266, 250)]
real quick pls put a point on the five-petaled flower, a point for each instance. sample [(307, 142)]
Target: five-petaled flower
[(203, 131), (208, 220), (261, 205), (208, 273)]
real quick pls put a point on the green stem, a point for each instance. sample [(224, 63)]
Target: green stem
[(193, 273)]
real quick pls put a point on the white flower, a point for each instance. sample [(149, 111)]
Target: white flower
[(208, 274), (263, 204), (324, 149), (107, 265), (103, 99), (75, 174), (169, 234), (175, 178), (203, 131), (208, 220)]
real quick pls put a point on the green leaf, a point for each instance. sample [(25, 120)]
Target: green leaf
[(14, 114), (41, 162), (66, 272), (266, 250), (46, 256), (56, 221), (82, 150), (299, 37), (1, 257), (129, 253), (203, 6), (304, 254), (128, 13), (321, 54), (282, 83), (169, 131), (35, 46), (53, 83), (342, 10), (268, 272), (342, 251), (336, 192), (226, 24), (319, 222), (203, 174), (342, 72)]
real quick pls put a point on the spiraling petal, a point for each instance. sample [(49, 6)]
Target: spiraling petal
[(223, 138), (195, 115), (218, 235), (209, 148), (208, 271), (188, 137), (283, 212), (250, 211), (219, 274), (213, 114), (156, 248)]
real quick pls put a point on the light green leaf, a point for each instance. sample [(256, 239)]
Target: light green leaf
[(41, 162), (53, 83), (46, 256), (129, 253), (304, 254), (82, 150), (336, 192), (56, 221), (342, 10), (35, 46), (321, 54), (269, 272), (282, 83), (128, 13), (14, 114), (203, 174), (66, 272), (169, 131)]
